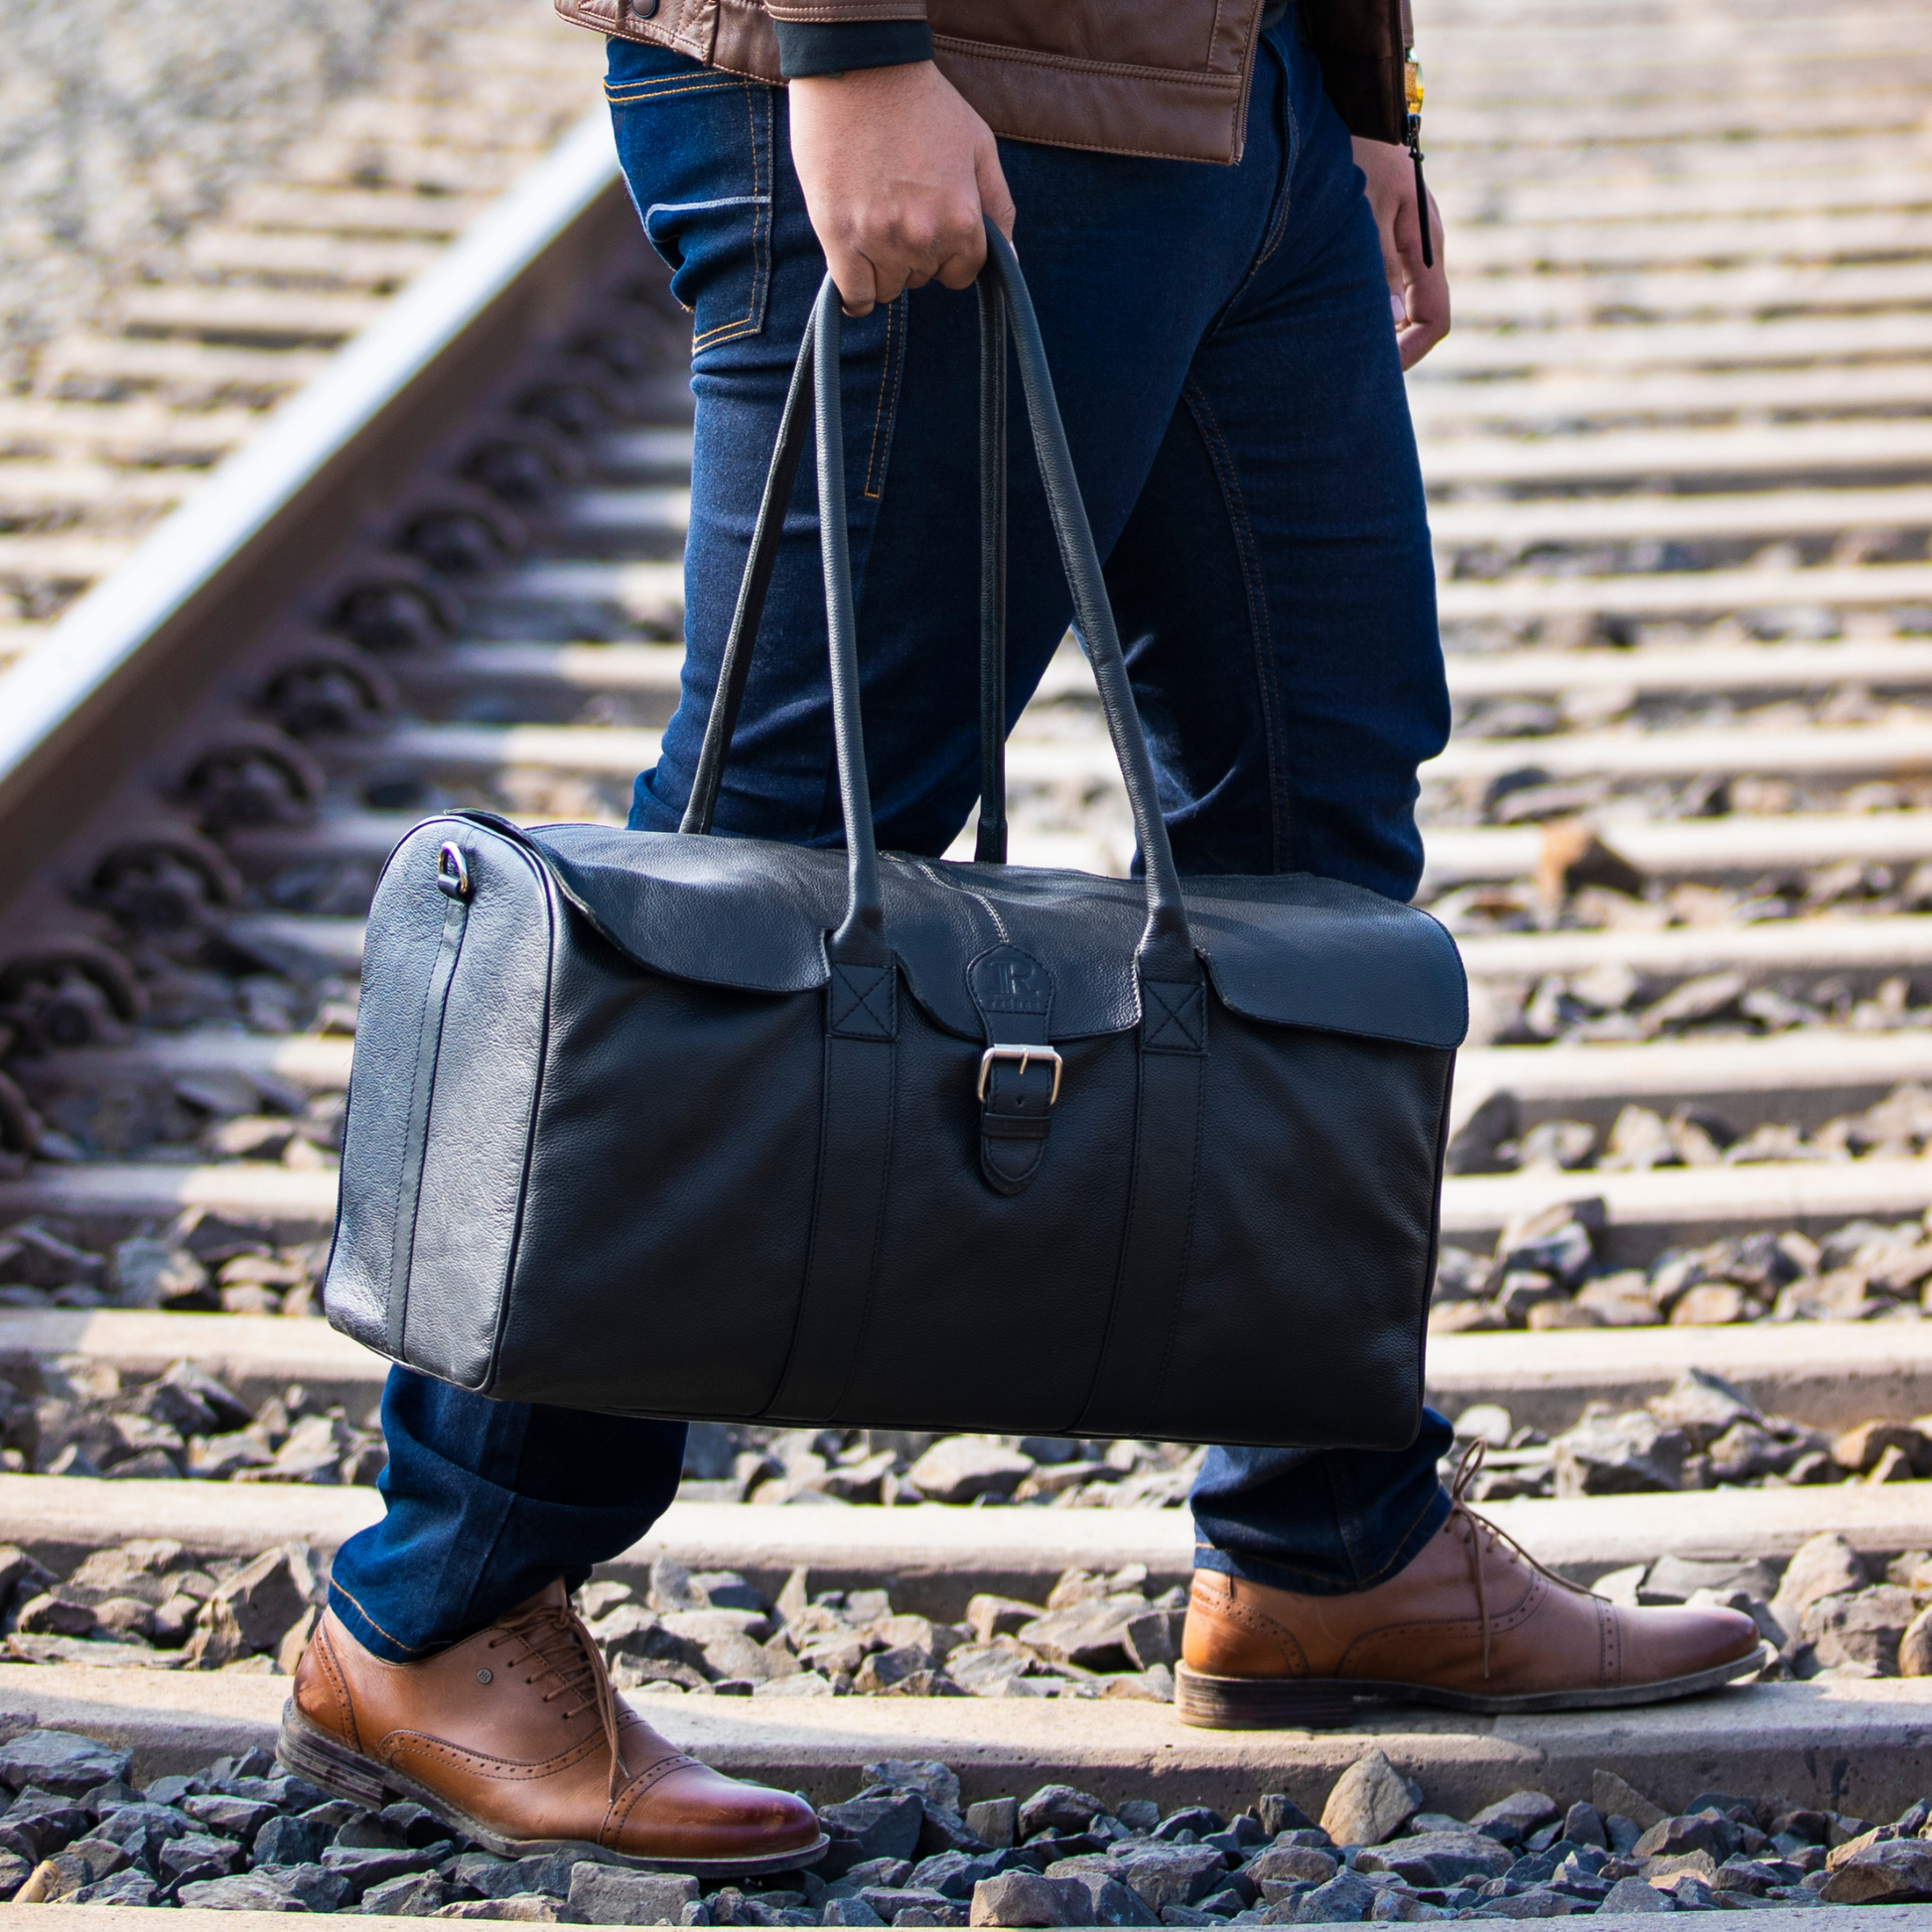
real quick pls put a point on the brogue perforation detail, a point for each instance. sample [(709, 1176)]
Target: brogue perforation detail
[(330, 1671), (1229, 1608), (532, 1749), (402, 1745), (1467, 1627), (635, 1793)]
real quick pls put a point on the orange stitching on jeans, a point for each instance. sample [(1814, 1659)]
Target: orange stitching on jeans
[(373, 1624), (626, 91), (753, 319)]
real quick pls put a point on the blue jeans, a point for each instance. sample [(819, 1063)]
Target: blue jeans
[(1221, 347)]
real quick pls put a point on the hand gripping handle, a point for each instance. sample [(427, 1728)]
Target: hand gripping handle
[(1165, 951)]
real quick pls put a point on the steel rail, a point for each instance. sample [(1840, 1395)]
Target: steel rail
[(129, 661)]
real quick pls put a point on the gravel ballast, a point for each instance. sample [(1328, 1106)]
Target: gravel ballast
[(1545, 1270), (1829, 1612), (113, 143), (244, 1834)]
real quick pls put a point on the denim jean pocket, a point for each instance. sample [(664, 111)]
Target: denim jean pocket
[(696, 147)]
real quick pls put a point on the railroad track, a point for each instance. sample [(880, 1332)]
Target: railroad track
[(1679, 460), (125, 420)]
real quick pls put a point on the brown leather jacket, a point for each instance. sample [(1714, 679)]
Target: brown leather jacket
[(1161, 77)]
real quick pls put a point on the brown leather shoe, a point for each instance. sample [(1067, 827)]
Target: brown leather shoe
[(1472, 1623), (515, 1738)]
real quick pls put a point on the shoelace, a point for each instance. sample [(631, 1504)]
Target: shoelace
[(557, 1642), (1483, 1536)]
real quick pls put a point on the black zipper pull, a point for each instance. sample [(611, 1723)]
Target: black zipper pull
[(1412, 90)]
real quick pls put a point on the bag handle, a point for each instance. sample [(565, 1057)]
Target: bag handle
[(1166, 952), (721, 719), (990, 846)]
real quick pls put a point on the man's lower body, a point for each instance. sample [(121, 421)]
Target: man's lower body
[(1221, 347), (1222, 353)]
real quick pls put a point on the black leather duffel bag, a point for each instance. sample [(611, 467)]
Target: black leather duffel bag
[(680, 1125)]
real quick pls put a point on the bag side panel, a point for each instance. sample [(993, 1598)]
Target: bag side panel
[(671, 1193), (404, 933), (489, 1061), (1314, 1238)]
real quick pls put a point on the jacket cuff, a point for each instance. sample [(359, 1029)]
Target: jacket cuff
[(807, 48)]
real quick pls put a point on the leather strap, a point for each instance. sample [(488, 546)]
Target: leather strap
[(735, 665), (861, 936), (1014, 993), (855, 1148), (422, 1088), (849, 1208), (990, 844), (1151, 1285), (1166, 950)]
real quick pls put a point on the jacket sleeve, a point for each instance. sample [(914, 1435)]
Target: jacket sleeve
[(843, 36), (1361, 45)]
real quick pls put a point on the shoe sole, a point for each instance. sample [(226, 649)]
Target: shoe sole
[(1320, 1704), (333, 1767)]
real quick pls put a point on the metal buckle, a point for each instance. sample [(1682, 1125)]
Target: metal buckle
[(1025, 1056), (452, 870)]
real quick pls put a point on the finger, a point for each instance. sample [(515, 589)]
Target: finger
[(899, 264), (996, 198), (1428, 308), (908, 251), (960, 269), (1412, 344), (1427, 302), (857, 283), (967, 256), (1409, 241), (1425, 286), (1394, 272), (889, 281)]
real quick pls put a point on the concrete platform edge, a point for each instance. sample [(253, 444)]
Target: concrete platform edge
[(1865, 1749)]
